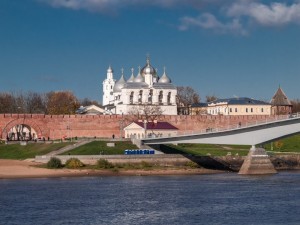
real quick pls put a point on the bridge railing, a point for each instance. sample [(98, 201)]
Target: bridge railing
[(241, 126)]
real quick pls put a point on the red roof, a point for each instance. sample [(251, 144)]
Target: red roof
[(157, 126)]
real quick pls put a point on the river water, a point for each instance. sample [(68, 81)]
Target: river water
[(199, 199)]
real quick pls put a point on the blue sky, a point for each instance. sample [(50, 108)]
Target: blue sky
[(219, 47)]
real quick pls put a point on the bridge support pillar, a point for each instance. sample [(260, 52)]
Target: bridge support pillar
[(257, 162)]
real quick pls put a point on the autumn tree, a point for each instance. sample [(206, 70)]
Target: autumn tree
[(61, 102), (6, 102)]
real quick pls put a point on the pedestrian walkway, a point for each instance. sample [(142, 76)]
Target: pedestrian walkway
[(68, 148)]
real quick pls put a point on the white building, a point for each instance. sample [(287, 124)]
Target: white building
[(238, 107), (144, 89), (139, 129), (90, 110)]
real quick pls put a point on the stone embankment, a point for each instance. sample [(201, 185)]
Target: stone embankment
[(228, 163)]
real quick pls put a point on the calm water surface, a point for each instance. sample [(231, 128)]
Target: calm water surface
[(204, 199)]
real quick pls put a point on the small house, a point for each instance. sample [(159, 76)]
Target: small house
[(142, 129)]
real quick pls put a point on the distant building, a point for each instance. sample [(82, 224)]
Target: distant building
[(90, 110), (198, 109), (233, 106), (150, 129), (280, 104), (146, 88)]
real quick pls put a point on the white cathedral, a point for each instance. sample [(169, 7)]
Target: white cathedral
[(146, 88)]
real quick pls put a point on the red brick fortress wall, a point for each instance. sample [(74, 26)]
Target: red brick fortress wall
[(59, 126)]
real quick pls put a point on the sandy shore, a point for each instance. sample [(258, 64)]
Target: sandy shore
[(10, 169)]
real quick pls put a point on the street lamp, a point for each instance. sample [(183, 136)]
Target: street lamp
[(145, 127), (121, 128), (69, 128)]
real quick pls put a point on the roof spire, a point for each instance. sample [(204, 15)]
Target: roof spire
[(164, 69), (122, 71), (148, 59)]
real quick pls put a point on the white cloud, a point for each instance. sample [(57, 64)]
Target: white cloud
[(221, 16), (112, 5), (275, 14), (210, 22)]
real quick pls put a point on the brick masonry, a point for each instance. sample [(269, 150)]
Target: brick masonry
[(56, 126)]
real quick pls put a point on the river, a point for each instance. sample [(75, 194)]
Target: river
[(226, 198)]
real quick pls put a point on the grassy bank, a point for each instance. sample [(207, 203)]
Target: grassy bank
[(17, 151), (101, 148), (206, 149), (289, 144)]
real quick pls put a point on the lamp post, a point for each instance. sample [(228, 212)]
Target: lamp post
[(68, 128), (121, 128), (145, 127), (185, 124)]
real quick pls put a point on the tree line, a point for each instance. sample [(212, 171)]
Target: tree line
[(54, 102), (65, 102)]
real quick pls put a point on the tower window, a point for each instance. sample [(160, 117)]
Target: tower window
[(160, 97)]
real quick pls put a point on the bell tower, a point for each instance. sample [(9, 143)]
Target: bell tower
[(108, 85)]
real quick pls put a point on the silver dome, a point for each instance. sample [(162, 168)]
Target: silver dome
[(139, 78), (131, 79), (119, 84), (164, 78), (148, 69)]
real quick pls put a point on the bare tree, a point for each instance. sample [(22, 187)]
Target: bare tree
[(87, 101), (35, 102), (186, 96), (296, 105), (150, 113), (210, 98)]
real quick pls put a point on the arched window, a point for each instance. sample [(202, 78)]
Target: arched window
[(150, 96), (140, 96), (131, 97), (160, 97), (169, 98)]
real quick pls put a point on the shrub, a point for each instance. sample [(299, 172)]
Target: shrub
[(74, 163), (145, 164), (54, 163), (104, 164), (192, 164)]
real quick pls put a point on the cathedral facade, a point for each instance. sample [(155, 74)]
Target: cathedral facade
[(147, 88)]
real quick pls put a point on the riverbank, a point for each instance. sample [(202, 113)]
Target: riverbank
[(13, 169)]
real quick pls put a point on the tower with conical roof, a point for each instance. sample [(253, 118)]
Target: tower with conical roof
[(108, 85), (280, 103)]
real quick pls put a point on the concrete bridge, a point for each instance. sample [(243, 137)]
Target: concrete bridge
[(250, 134)]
